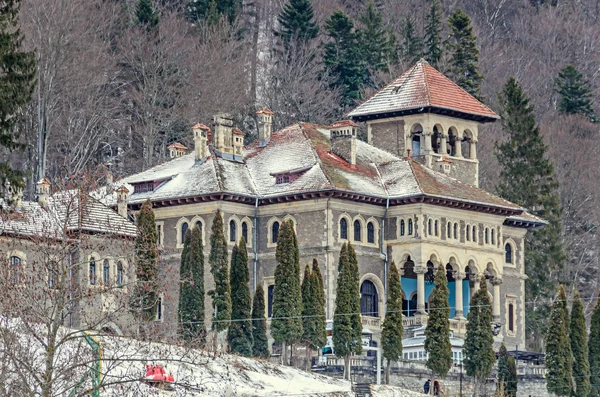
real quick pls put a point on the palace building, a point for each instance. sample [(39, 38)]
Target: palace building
[(408, 195)]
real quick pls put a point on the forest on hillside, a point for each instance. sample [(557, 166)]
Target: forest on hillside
[(119, 80)]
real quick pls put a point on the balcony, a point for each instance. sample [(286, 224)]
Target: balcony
[(458, 327), (373, 323)]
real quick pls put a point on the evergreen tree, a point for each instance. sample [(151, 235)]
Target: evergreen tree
[(559, 361), (260, 346), (191, 290), (507, 373), (594, 350), (579, 347), (297, 23), (320, 286), (18, 70), (464, 62), (145, 14), (343, 60), (575, 93), (391, 334), (221, 295), (313, 314), (347, 326), (411, 43), (212, 11), (377, 43), (286, 325), (433, 34), (437, 333), (239, 334), (527, 178), (478, 352)]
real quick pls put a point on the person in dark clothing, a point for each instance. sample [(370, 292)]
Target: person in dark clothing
[(426, 386)]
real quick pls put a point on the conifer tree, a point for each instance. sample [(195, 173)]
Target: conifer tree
[(343, 60), (527, 178), (144, 299), (579, 347), (219, 268), (212, 11), (391, 334), (347, 326), (507, 374), (559, 360), (313, 313), (377, 44), (191, 290), (433, 34), (411, 43), (286, 325), (18, 70), (239, 334), (464, 61), (297, 23), (594, 350), (437, 333), (575, 93), (145, 14), (320, 286), (260, 343), (478, 352)]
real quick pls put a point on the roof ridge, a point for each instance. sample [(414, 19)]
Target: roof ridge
[(427, 93), (410, 164), (314, 152)]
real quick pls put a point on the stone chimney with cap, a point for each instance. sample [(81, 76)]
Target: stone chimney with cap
[(343, 140), (42, 190), (122, 194), (228, 142), (238, 142), (264, 117), (201, 133)]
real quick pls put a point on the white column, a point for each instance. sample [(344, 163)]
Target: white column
[(496, 306), (473, 149), (420, 289), (458, 285), (476, 282), (443, 147), (458, 145)]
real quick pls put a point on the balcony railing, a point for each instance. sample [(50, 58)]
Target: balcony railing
[(459, 327), (371, 322)]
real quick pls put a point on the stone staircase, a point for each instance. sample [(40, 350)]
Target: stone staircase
[(363, 390)]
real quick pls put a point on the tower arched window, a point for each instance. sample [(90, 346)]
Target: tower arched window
[(508, 253), (119, 273), (429, 227), (493, 237), (92, 273), (270, 291), (369, 299), (437, 228), (474, 230), (402, 227), (370, 233), (468, 233), (456, 231), (184, 229), (511, 317), (275, 232), (357, 227), (232, 231), (344, 229), (199, 226), (15, 269), (245, 231), (485, 236), (448, 230), (106, 272), (410, 227)]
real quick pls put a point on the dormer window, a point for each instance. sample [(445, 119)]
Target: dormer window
[(289, 176)]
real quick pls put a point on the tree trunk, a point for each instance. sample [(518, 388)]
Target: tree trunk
[(347, 367), (291, 355), (432, 383), (283, 353), (308, 365), (387, 372)]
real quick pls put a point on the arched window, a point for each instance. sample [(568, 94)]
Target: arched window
[(92, 275), (199, 226), (485, 236), (15, 269), (369, 299), (468, 234), (275, 232), (245, 230), (511, 317), (493, 238), (402, 227), (370, 233), (184, 229), (437, 228), (357, 227), (270, 290), (474, 234), (232, 231), (448, 230), (410, 227), (508, 254), (119, 273), (456, 231), (429, 227), (106, 272), (53, 274), (343, 229)]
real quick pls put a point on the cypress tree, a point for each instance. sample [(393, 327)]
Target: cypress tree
[(594, 350), (377, 43), (478, 353), (145, 14), (437, 333), (144, 299), (559, 360), (260, 344), (18, 70), (507, 374), (347, 327), (575, 93), (191, 290), (411, 43), (313, 313), (221, 295), (464, 62), (239, 333), (343, 60), (527, 178), (286, 325), (391, 334), (579, 347), (297, 23), (433, 34), (320, 286)]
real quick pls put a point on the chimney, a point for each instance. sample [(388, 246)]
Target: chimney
[(42, 189), (176, 149), (13, 195), (223, 135), (201, 133), (445, 165), (265, 121), (122, 193), (343, 140)]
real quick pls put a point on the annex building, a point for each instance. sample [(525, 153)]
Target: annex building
[(408, 195)]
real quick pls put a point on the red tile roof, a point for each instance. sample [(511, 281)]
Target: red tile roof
[(201, 126), (237, 131), (344, 123), (422, 86), (177, 145), (264, 110)]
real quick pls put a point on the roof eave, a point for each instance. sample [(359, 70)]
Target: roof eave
[(481, 118)]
